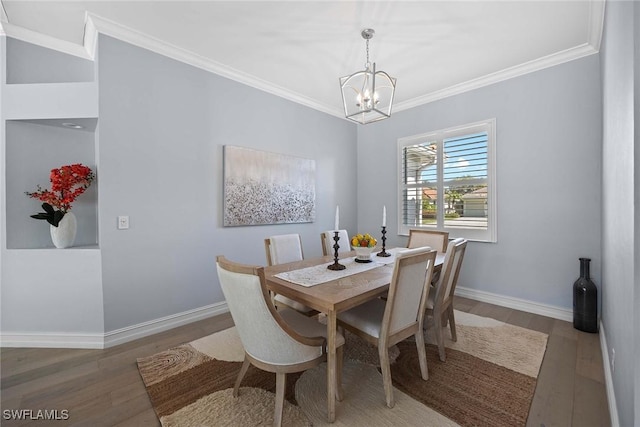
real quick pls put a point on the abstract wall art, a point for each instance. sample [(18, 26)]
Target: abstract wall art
[(267, 188)]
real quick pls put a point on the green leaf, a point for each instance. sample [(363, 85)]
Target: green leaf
[(57, 217), (41, 215), (47, 208)]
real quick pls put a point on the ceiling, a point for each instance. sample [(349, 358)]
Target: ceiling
[(299, 49)]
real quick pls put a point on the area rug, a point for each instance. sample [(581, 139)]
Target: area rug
[(488, 379)]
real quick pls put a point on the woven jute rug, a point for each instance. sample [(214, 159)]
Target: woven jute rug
[(488, 379)]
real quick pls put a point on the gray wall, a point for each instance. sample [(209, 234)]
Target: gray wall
[(620, 216), (636, 170), (163, 125), (548, 127), (60, 67)]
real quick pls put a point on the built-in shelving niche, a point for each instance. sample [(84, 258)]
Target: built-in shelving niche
[(33, 148)]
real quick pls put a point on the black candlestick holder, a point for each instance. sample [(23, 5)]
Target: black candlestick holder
[(336, 265), (383, 252)]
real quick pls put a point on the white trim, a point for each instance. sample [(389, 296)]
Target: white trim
[(499, 76), (110, 339), (3, 16), (130, 333), (95, 24), (608, 378), (516, 303), (596, 23), (129, 35), (490, 234), (90, 36), (44, 40), (52, 340)]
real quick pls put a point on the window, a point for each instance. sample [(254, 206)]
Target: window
[(447, 181)]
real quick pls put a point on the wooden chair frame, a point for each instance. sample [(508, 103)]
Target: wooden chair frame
[(283, 301), (386, 339), (442, 312), (280, 370)]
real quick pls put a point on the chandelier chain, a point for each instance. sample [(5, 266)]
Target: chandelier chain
[(367, 64)]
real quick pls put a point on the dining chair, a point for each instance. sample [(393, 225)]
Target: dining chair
[(326, 239), (439, 310), (279, 341), (385, 324), (280, 250), (433, 238)]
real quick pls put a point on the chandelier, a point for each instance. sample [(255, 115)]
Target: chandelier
[(367, 95)]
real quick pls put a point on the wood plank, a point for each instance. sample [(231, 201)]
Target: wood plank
[(570, 390), (590, 403), (589, 357), (553, 400)]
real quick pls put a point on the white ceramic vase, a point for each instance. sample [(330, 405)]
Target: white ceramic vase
[(64, 234)]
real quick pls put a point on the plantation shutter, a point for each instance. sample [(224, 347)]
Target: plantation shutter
[(446, 181), (465, 181)]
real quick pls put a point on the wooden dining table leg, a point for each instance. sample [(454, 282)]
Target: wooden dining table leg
[(331, 366)]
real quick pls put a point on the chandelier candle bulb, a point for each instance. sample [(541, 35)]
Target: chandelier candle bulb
[(367, 95)]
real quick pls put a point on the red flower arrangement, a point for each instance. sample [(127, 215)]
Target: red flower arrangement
[(67, 183)]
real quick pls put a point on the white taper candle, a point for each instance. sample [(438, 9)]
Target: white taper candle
[(384, 216)]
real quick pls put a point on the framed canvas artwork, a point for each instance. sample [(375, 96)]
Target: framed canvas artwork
[(267, 188)]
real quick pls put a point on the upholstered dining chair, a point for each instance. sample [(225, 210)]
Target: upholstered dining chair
[(278, 341), (280, 250), (433, 238), (385, 324), (326, 238), (440, 300)]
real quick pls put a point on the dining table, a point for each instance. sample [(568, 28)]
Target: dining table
[(328, 291)]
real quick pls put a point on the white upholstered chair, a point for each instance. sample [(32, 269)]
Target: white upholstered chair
[(278, 341), (440, 301), (326, 238), (433, 238), (385, 324), (282, 249)]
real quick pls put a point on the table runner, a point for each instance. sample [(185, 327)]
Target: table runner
[(311, 276)]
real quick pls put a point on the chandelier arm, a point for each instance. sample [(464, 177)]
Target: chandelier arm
[(365, 104)]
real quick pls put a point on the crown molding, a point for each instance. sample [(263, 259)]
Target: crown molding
[(96, 24), (44, 40), (506, 74), (90, 36), (596, 23), (3, 17)]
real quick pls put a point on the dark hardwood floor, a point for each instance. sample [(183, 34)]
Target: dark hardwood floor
[(103, 387)]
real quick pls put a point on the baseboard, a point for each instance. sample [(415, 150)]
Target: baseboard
[(516, 303), (112, 338), (52, 340), (608, 378), (130, 333)]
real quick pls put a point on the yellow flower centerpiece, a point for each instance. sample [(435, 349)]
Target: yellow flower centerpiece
[(363, 244)]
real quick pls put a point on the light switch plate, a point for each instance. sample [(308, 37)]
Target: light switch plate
[(123, 222)]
